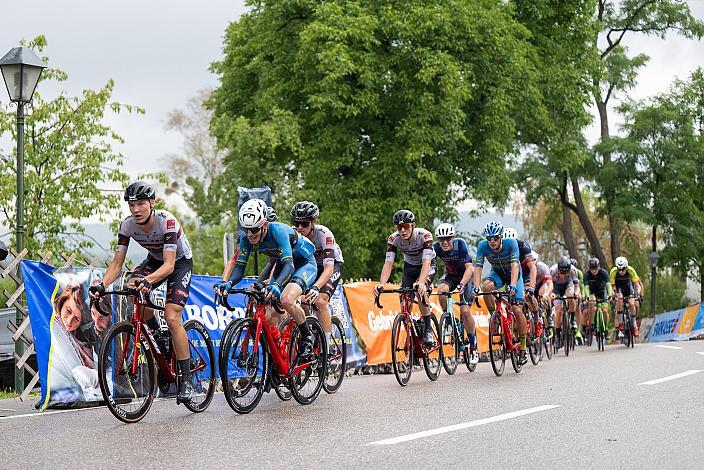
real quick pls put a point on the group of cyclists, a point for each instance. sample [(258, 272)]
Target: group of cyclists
[(305, 266)]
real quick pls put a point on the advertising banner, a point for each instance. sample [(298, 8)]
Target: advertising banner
[(678, 325)]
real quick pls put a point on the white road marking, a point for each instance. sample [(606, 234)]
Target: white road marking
[(672, 377), (44, 413), (668, 347), (457, 427)]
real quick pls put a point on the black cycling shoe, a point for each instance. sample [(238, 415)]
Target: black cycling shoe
[(428, 340), (185, 391), (305, 348), (523, 358)]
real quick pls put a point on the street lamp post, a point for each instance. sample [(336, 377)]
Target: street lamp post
[(653, 257), (21, 69)]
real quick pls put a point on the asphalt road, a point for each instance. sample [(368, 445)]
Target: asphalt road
[(590, 410)]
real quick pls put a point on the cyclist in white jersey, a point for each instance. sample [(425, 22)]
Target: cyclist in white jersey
[(328, 257), (416, 244), (169, 260)]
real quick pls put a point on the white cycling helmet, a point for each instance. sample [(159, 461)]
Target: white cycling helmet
[(621, 262), (533, 255), (510, 233), (445, 230), (253, 214)]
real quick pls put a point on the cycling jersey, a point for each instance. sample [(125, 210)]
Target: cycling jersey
[(598, 284), (580, 280), (455, 259), (624, 282), (294, 252), (542, 275), (501, 262), (415, 250), (562, 283), (165, 235), (327, 251), (524, 251)]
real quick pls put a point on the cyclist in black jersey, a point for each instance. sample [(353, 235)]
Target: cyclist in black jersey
[(169, 261), (598, 290)]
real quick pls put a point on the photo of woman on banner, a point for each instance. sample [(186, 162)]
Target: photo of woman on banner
[(76, 333)]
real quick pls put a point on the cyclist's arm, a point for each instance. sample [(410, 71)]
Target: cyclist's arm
[(328, 269), (479, 264), (230, 265), (639, 287), (533, 274), (115, 268), (515, 269), (427, 257), (243, 252), (266, 272), (388, 264), (328, 260), (166, 268), (468, 271), (549, 287)]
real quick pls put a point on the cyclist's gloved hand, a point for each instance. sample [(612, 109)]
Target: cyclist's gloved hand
[(96, 290), (530, 291), (274, 290), (476, 291), (460, 287), (257, 286), (377, 289), (222, 287), (313, 294), (511, 289), (143, 285)]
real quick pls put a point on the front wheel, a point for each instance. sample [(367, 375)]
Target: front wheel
[(532, 340), (337, 357), (566, 332), (497, 346), (432, 359), (402, 349), (450, 341), (126, 373), (202, 365), (245, 366)]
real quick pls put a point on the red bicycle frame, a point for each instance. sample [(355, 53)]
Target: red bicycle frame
[(407, 294)]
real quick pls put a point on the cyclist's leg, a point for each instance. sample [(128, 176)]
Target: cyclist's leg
[(571, 304), (490, 283), (301, 281), (446, 284), (322, 303), (517, 307), (145, 268)]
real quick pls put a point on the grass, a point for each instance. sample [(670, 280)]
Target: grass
[(5, 394)]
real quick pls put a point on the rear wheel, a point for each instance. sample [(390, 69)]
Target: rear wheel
[(450, 343), (532, 339), (202, 365), (432, 361), (402, 349), (627, 328), (243, 371), (566, 332), (337, 358), (128, 390), (497, 347), (306, 385)]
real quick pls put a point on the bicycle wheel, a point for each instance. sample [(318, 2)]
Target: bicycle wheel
[(402, 349), (566, 332), (450, 351), (243, 371), (202, 365), (532, 341), (307, 384), (497, 347), (225, 334), (126, 373), (337, 358), (627, 329), (279, 383), (432, 361), (548, 342), (600, 329), (466, 349)]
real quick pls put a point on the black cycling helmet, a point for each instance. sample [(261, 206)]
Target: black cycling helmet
[(139, 191), (304, 210), (574, 263), (3, 251), (593, 263), (564, 264), (404, 217), (271, 214)]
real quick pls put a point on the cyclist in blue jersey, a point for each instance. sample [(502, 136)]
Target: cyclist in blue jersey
[(503, 255), (458, 275), (293, 274)]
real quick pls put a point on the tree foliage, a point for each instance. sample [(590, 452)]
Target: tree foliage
[(69, 159)]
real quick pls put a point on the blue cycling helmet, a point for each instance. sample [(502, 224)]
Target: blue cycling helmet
[(493, 229)]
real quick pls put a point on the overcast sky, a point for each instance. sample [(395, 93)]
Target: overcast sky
[(158, 53)]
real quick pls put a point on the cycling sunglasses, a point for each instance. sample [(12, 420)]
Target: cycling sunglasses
[(253, 230), (301, 223), (403, 227), (445, 239), (493, 239)]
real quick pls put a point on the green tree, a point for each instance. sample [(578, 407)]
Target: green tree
[(69, 157), (367, 107)]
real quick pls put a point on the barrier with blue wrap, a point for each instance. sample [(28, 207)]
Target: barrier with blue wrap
[(678, 325)]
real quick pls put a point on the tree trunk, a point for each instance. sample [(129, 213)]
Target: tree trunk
[(586, 223), (701, 281), (614, 225), (567, 231)]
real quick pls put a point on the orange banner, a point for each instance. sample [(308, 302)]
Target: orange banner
[(374, 325)]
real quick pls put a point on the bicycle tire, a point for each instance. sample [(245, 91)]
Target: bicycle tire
[(316, 369), (548, 341), (433, 365), (627, 328), (401, 337), (113, 388), (497, 347), (566, 330), (225, 334), (467, 349), (279, 383), (236, 389), (532, 347), (450, 345), (203, 382), (337, 362)]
